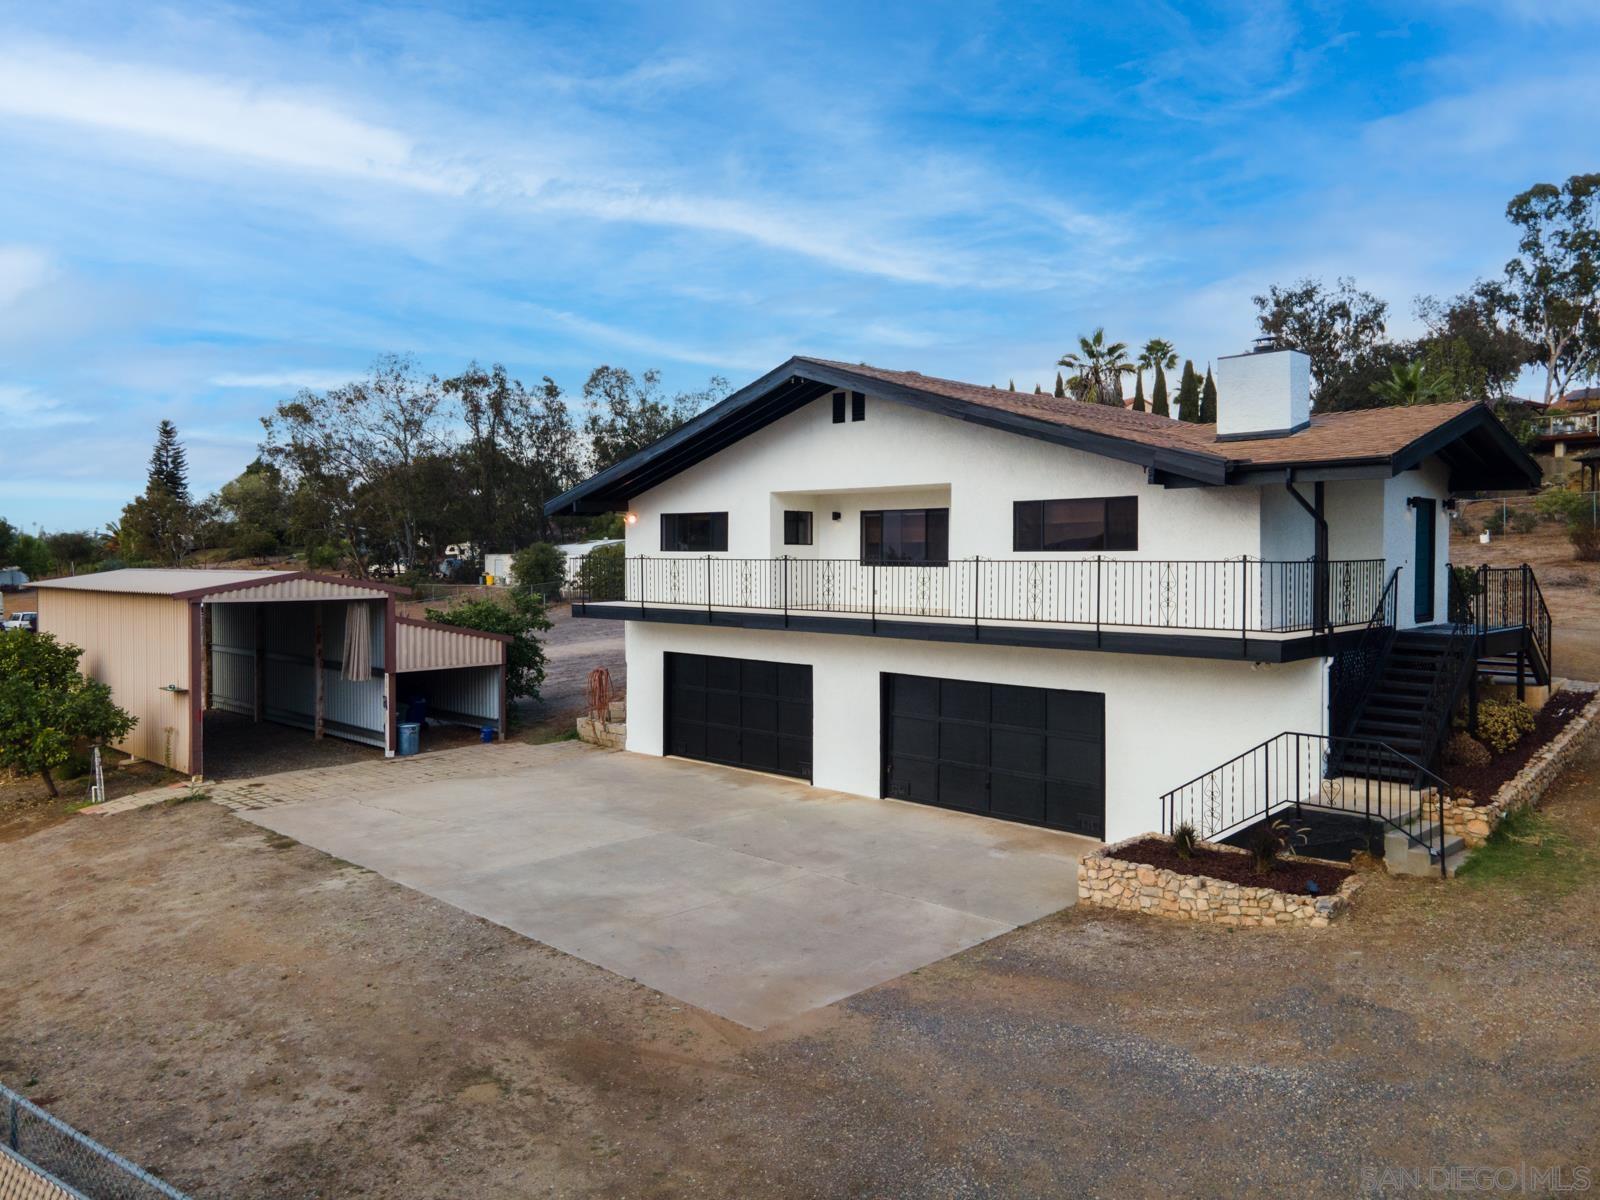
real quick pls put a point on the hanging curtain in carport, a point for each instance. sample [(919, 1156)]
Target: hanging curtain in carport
[(358, 642)]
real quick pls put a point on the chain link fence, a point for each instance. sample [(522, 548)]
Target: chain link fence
[(44, 1158)]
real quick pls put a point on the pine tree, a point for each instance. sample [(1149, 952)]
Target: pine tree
[(1158, 394), (169, 465), (1208, 400), (1061, 387), (1189, 394), (1037, 390), (1011, 385), (1138, 395)]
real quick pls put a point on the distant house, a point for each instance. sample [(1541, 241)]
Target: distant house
[(1569, 426), (497, 567), (13, 578)]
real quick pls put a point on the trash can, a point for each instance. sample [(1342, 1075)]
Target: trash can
[(410, 738), (417, 710), (486, 734)]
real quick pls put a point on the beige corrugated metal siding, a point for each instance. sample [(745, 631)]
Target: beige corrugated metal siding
[(137, 645), (295, 589), (157, 581), (430, 646)]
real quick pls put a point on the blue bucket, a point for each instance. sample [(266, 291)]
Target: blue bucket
[(410, 738), (486, 734)]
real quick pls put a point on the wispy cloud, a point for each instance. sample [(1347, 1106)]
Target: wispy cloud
[(28, 408), (269, 380)]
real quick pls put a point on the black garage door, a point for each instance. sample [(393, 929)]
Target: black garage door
[(1027, 754), (744, 712)]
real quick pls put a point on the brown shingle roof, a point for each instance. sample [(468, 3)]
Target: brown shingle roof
[(1373, 433)]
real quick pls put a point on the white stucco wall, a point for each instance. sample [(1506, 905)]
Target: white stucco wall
[(1167, 719), (1399, 535), (928, 458)]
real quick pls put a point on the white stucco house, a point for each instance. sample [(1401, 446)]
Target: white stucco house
[(1042, 610)]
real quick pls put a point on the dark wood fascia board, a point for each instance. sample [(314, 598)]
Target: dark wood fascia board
[(755, 405), (1478, 421), (1210, 646)]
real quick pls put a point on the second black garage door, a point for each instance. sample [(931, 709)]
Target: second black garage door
[(744, 712), (1027, 754)]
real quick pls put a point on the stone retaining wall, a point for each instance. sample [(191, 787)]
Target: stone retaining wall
[(1112, 882), (1473, 823)]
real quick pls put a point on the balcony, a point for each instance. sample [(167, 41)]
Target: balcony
[(1236, 608), (1571, 426)]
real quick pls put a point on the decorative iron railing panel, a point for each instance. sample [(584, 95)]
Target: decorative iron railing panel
[(1240, 596)]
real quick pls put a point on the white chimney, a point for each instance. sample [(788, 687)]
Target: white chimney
[(1264, 393)]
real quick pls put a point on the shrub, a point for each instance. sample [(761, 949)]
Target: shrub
[(47, 708), (1183, 840), (1465, 585), (322, 557), (1495, 523), (1567, 507), (1272, 839), (1585, 542), (1523, 521), (1464, 750), (1503, 723), (539, 568), (523, 619), (600, 576)]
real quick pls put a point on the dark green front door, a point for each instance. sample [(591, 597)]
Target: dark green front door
[(1426, 511)]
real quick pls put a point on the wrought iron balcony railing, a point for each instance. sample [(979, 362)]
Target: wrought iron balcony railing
[(1236, 596)]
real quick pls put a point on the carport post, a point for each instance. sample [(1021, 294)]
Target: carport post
[(316, 666), (390, 691), (261, 663), (197, 712)]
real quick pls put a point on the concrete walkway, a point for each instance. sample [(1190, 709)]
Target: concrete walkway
[(751, 896)]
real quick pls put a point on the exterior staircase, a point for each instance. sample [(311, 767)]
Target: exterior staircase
[(1412, 845), (1409, 704)]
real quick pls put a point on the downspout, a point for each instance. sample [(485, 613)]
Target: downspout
[(1319, 554)]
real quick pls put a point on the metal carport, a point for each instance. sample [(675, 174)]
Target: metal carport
[(318, 652)]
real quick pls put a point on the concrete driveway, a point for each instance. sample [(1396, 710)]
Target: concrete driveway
[(744, 894)]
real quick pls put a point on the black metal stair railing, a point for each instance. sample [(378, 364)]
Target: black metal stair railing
[(1291, 772), (1356, 671), (1234, 596)]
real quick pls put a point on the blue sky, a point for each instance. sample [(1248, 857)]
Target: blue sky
[(204, 208)]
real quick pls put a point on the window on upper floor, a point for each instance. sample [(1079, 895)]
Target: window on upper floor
[(1096, 523), (838, 408), (858, 406), (906, 536), (690, 532), (796, 528)]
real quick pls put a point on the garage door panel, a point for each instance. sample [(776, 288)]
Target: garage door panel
[(722, 708), (966, 788), (962, 743), (1018, 796), (1024, 708), (760, 713), (914, 695), (722, 672), (963, 701), (794, 683), (1026, 754), (742, 712), (1075, 809), (1017, 750), (794, 719), (1073, 760), (1081, 714), (758, 678), (913, 779), (916, 736)]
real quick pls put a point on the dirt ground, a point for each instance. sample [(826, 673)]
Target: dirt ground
[(26, 805), (251, 1018), (1571, 588)]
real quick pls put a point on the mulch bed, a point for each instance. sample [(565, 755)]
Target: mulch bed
[(1288, 877), (1485, 781)]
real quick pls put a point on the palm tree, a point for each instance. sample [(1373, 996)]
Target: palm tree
[(1157, 352), (1101, 365), (1409, 383)]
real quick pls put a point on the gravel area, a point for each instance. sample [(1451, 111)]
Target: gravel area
[(254, 1019), (573, 647)]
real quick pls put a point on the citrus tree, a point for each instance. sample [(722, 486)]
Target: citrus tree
[(47, 706)]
